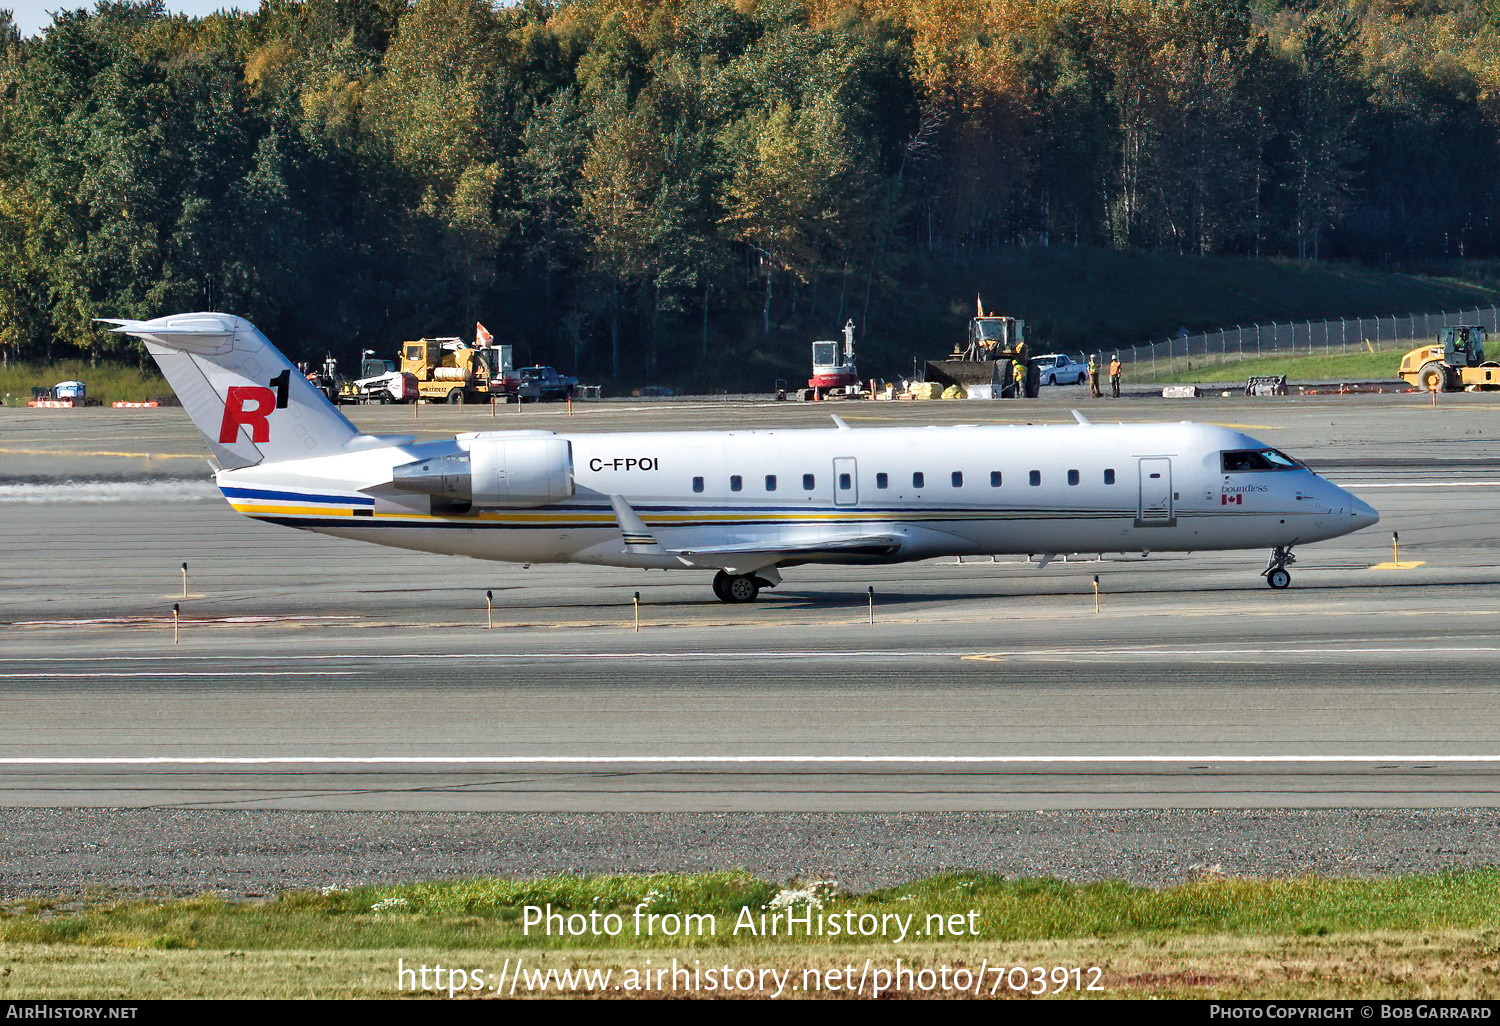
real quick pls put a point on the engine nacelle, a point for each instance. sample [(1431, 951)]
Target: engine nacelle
[(500, 469)]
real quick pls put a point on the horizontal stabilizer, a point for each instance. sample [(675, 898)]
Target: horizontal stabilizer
[(249, 402)]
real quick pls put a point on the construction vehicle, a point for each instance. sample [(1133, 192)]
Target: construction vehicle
[(324, 378), (834, 373), (450, 371), (379, 382), (985, 362), (1456, 363)]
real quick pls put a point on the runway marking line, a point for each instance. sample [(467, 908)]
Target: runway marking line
[(736, 760), (1153, 651), (104, 452), (1356, 485), (113, 674)]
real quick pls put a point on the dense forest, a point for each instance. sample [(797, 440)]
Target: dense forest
[(643, 189)]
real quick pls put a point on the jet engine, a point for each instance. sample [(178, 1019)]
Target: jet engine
[(500, 469)]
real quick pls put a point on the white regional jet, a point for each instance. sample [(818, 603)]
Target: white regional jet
[(742, 503)]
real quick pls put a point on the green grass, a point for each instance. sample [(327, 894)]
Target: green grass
[(1380, 365), (489, 913), (108, 382), (1419, 937)]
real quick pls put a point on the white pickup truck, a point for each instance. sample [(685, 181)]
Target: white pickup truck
[(1058, 369)]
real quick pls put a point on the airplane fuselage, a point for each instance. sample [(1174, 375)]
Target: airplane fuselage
[(941, 490), (742, 503)]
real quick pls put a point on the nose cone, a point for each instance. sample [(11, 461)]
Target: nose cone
[(1361, 514)]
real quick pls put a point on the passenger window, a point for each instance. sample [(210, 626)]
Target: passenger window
[(770, 482), (958, 479), (1072, 477), (882, 481), (845, 482), (736, 483), (1109, 477), (1036, 478), (697, 484), (808, 483), (994, 479), (918, 480)]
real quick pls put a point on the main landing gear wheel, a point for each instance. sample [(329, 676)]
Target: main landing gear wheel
[(1275, 572), (736, 587)]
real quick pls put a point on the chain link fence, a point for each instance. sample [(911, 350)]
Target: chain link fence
[(1347, 334)]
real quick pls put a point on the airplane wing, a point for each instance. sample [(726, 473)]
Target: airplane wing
[(748, 553)]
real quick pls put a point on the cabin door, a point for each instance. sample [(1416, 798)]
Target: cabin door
[(845, 482), (1155, 508)]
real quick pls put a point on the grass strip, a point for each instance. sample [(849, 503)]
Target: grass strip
[(1431, 936)]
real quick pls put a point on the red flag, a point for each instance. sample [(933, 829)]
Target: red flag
[(482, 336)]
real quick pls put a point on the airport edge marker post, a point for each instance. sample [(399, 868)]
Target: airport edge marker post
[(637, 602), (184, 580), (489, 610), (871, 592), (1096, 593), (176, 621), (1395, 546)]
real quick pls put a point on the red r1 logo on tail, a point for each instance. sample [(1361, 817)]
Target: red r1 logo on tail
[(247, 406), (250, 406)]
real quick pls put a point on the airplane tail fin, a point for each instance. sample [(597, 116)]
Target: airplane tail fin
[(251, 405)]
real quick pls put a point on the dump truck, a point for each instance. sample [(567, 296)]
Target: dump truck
[(449, 370), (986, 359), (1456, 363)]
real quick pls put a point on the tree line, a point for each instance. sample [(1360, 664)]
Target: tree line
[(652, 189)]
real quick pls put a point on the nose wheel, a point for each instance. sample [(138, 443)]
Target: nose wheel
[(736, 587), (1275, 573)]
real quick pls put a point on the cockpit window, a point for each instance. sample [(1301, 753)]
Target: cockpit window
[(1240, 461)]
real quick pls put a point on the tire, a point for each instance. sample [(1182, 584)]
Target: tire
[(741, 588), (456, 397), (719, 590), (1278, 579), (1051, 380), (1433, 377)]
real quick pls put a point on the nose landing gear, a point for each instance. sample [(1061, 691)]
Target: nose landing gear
[(1275, 573)]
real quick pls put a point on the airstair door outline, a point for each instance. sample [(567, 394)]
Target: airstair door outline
[(1155, 509), (845, 481)]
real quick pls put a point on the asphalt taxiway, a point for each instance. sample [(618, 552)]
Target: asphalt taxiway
[(315, 676)]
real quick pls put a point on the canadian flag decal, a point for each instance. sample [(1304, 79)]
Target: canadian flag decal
[(1236, 500)]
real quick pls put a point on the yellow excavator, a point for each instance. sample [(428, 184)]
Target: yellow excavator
[(1455, 364)]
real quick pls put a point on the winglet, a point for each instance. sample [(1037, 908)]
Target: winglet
[(1082, 419), (638, 537)]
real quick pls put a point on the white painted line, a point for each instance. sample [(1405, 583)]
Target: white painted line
[(737, 760), (116, 674), (1420, 484)]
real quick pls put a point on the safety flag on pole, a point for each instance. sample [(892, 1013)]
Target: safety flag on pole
[(482, 336), (978, 306)]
